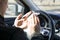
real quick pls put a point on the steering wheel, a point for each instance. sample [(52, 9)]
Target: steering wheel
[(48, 30)]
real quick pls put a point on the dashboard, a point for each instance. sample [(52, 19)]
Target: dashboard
[(56, 19)]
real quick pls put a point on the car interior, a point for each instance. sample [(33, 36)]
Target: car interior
[(50, 20)]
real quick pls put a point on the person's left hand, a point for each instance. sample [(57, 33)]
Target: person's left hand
[(33, 24)]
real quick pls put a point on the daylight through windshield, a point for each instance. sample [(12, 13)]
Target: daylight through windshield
[(48, 5)]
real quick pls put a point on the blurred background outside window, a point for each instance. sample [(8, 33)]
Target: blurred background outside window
[(47, 5), (13, 9)]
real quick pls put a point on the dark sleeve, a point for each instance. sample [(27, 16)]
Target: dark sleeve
[(19, 35), (12, 33), (39, 37)]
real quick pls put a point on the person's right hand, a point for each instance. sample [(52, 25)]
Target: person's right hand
[(21, 22)]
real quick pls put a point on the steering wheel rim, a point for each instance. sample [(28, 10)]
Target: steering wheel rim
[(51, 23)]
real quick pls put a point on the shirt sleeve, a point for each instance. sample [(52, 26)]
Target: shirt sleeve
[(19, 34), (12, 33)]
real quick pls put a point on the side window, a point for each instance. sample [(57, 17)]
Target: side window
[(13, 9)]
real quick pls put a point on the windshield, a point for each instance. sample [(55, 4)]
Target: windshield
[(15, 9), (48, 5)]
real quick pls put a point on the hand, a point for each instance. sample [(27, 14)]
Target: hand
[(33, 26), (21, 22), (33, 23)]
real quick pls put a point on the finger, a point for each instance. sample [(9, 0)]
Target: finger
[(37, 24), (23, 24), (34, 19), (38, 21), (27, 15), (19, 16), (20, 23)]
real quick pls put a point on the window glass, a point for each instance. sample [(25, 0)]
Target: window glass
[(13, 9), (48, 5)]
